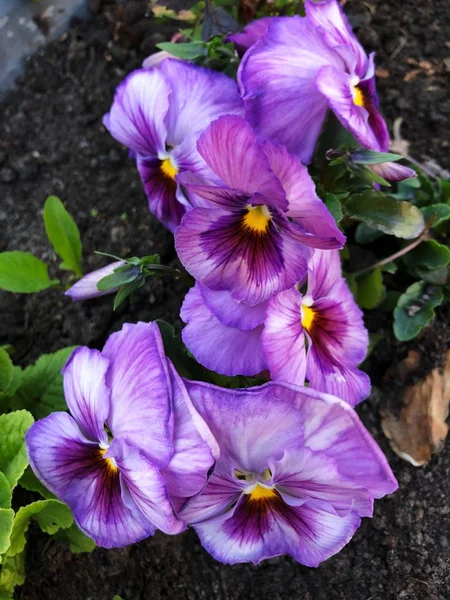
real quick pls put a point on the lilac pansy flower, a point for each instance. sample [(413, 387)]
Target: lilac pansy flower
[(297, 470), (158, 114), (319, 335), (133, 446), (254, 236), (302, 66)]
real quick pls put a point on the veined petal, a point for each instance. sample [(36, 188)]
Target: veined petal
[(325, 273), (221, 348), (198, 97), (391, 171), (77, 472), (86, 392), (195, 448), (161, 192), (305, 207), (144, 487), (137, 117), (232, 313), (223, 253), (212, 196), (86, 287), (303, 475), (250, 35), (141, 390), (230, 148), (250, 425), (283, 338)]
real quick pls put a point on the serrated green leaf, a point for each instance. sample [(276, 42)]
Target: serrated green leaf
[(23, 273), (41, 391), (6, 370), (63, 233), (12, 574), (415, 309), (333, 204), (440, 212), (429, 254), (13, 385), (371, 291), (51, 515), (6, 525), (30, 482), (378, 211), (186, 51), (13, 455), (5, 492), (78, 541)]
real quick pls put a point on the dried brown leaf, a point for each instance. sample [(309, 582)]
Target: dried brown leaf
[(382, 73), (420, 430)]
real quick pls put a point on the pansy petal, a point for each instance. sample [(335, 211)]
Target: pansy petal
[(76, 471), (86, 392), (144, 487), (328, 375), (141, 390), (230, 148), (276, 78), (305, 207), (250, 425), (391, 171), (232, 313), (198, 97), (86, 287), (254, 533), (333, 427), (303, 475), (326, 273), (283, 338), (226, 350), (250, 35), (195, 447), (137, 116), (161, 192), (336, 86), (212, 196)]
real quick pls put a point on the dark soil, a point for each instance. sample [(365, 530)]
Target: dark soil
[(52, 142)]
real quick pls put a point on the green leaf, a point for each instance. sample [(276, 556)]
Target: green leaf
[(120, 276), (6, 371), (13, 455), (370, 157), (5, 492), (187, 51), (440, 212), (6, 526), (378, 211), (41, 391), (371, 291), (14, 384), (429, 254), (126, 290), (23, 273), (334, 206), (51, 515), (444, 190), (30, 482), (63, 233), (78, 541), (415, 309), (12, 574), (366, 235), (436, 276)]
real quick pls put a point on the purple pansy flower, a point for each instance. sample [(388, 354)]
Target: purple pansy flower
[(254, 237), (302, 66), (133, 447), (320, 335), (158, 114), (297, 470)]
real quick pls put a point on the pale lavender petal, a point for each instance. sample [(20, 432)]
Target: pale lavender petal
[(86, 287), (144, 487), (141, 390), (325, 273), (161, 193), (198, 97), (137, 118), (303, 475), (250, 35), (337, 86), (391, 171), (305, 207), (283, 338), (232, 313), (76, 471), (230, 148), (195, 448), (250, 425), (155, 58), (86, 392), (276, 78), (218, 347)]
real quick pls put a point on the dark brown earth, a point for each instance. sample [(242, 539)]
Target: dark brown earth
[(52, 142)]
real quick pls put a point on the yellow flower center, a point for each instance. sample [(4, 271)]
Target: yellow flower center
[(111, 463), (257, 218), (168, 169), (358, 96), (262, 493), (308, 316)]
